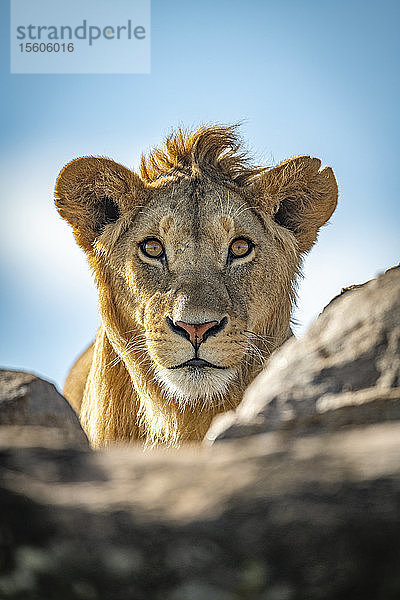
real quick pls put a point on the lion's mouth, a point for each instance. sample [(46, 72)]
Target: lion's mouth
[(197, 363)]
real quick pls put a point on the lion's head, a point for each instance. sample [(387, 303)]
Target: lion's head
[(195, 260)]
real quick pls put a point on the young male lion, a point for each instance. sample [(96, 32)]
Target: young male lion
[(195, 262)]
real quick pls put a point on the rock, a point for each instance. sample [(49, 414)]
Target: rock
[(344, 371), (27, 401), (272, 516), (264, 518)]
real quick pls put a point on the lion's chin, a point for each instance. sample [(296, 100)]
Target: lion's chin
[(194, 386)]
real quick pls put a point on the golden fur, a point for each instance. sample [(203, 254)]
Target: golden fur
[(195, 195)]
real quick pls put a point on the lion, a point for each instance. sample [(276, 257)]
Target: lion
[(196, 262)]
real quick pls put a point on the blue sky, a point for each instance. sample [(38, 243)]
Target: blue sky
[(319, 78)]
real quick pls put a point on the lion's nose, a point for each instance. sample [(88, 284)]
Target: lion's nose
[(197, 332)]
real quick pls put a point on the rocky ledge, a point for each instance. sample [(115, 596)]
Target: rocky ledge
[(344, 371), (297, 495)]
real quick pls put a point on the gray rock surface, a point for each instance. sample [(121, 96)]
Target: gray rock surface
[(272, 516), (344, 371), (263, 518), (28, 401)]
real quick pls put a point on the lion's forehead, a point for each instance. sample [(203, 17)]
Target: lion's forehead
[(190, 217)]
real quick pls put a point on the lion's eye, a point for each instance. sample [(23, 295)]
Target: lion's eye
[(152, 248), (240, 248)]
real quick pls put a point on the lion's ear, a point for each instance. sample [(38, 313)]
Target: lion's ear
[(300, 196), (92, 192)]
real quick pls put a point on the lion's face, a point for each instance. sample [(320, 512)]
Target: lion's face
[(196, 260), (199, 271)]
